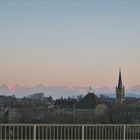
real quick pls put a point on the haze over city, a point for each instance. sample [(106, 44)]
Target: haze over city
[(75, 43)]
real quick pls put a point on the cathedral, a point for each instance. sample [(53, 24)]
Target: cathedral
[(120, 90)]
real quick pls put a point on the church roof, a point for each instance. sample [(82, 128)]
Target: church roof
[(89, 101)]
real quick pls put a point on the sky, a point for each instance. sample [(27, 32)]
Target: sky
[(74, 43)]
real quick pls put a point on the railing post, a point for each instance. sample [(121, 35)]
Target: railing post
[(34, 132), (83, 136), (124, 129)]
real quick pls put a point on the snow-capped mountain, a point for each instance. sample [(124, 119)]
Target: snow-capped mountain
[(65, 91)]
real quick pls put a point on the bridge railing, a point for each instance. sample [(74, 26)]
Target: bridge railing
[(69, 132)]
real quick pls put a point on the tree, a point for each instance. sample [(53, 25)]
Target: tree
[(50, 99), (79, 97)]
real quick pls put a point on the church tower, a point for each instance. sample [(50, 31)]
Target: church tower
[(120, 90)]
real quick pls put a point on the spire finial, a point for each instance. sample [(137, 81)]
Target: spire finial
[(119, 68), (120, 79), (90, 90), (90, 87)]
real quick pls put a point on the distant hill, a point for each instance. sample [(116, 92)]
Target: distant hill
[(133, 91)]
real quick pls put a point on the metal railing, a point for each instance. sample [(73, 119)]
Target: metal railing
[(69, 132)]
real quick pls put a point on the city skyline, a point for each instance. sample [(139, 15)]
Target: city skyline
[(75, 43)]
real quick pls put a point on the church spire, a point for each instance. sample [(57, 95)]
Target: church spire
[(120, 90), (120, 80)]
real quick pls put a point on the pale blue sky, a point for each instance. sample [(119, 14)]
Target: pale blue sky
[(69, 42)]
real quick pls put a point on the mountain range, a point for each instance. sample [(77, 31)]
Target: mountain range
[(65, 91)]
